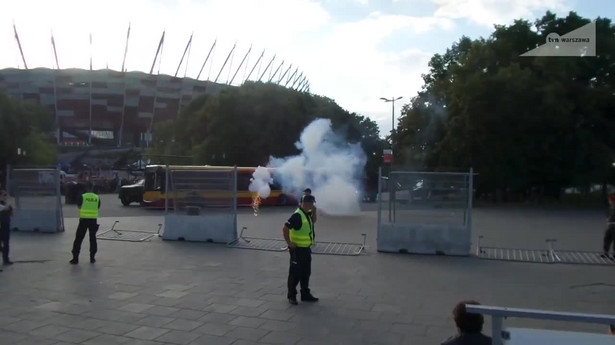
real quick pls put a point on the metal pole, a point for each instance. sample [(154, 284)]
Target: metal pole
[(379, 204), (59, 213), (235, 201), (470, 197), (166, 190)]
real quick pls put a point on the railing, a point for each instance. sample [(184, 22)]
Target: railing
[(499, 313)]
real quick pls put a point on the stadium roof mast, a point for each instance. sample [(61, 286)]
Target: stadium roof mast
[(158, 51), (241, 64), (23, 58), (296, 80), (125, 50), (291, 76), (276, 72), (283, 75), (256, 64), (266, 68), (207, 58), (225, 61), (184, 55), (55, 53)]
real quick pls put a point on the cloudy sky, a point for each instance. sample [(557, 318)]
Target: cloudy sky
[(353, 51)]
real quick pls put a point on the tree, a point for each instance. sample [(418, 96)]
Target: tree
[(246, 125), (25, 126), (527, 125)]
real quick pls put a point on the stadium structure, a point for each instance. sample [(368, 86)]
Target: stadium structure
[(118, 108)]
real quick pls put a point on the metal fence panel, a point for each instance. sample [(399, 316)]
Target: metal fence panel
[(425, 212), (38, 200), (204, 205)]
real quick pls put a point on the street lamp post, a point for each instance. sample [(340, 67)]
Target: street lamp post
[(392, 100)]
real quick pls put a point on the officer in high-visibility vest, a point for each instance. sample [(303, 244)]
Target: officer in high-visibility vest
[(299, 235), (88, 204)]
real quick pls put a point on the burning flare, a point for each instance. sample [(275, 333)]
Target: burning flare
[(256, 202)]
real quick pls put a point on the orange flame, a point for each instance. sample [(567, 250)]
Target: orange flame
[(256, 202)]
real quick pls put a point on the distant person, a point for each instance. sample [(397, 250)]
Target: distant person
[(612, 329), (6, 212), (89, 204), (469, 327), (609, 234), (298, 232)]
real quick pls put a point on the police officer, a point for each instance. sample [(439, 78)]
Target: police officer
[(299, 235), (88, 204)]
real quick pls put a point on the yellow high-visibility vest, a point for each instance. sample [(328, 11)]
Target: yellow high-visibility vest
[(303, 237), (89, 207)]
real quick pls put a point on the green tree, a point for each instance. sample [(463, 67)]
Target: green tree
[(527, 125), (25, 126)]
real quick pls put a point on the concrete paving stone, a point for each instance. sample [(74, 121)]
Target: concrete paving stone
[(23, 326), (247, 333), (39, 315), (76, 336), (116, 315), (356, 314), (275, 325), (32, 340), (248, 311), (380, 337), (165, 301), (281, 338), (161, 310), (277, 305), (218, 329), (122, 295), (387, 308), (7, 337), (49, 331), (247, 302), (246, 342), (155, 321), (217, 318), (136, 307), (4, 320), (374, 325), (278, 315), (245, 321), (183, 325), (179, 287), (146, 333), (143, 298), (409, 329), (178, 337), (188, 314), (172, 294), (106, 339), (220, 308), (117, 328), (214, 340)]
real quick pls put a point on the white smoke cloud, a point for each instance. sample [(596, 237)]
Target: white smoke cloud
[(331, 167), (260, 181)]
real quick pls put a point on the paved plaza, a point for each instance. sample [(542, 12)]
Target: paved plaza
[(169, 292)]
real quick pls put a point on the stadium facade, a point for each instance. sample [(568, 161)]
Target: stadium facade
[(119, 108)]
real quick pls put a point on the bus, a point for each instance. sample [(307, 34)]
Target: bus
[(155, 179)]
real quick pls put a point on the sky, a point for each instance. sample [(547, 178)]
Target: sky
[(352, 51)]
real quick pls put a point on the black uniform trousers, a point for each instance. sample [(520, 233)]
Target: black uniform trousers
[(82, 228), (299, 271), (609, 238), (5, 238)]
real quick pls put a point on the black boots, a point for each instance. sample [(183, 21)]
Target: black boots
[(308, 298)]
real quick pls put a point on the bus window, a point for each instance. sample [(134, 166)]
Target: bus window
[(243, 181)]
